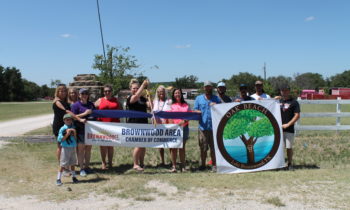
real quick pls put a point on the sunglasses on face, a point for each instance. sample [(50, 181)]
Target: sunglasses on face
[(107, 91)]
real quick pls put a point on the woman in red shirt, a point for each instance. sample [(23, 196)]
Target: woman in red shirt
[(107, 102)]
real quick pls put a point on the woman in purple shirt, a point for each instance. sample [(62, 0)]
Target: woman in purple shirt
[(83, 108)]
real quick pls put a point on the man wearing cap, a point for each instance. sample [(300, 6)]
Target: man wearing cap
[(243, 94), (290, 113), (221, 91), (203, 104), (259, 91)]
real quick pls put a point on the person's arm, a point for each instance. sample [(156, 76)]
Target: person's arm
[(292, 121), (97, 103), (196, 106), (136, 97), (61, 134), (60, 106), (74, 133), (120, 105), (68, 133)]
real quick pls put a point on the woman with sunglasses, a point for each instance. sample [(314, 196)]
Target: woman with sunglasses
[(108, 102), (83, 109)]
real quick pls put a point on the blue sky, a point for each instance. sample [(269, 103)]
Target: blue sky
[(210, 39)]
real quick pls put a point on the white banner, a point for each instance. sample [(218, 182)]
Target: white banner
[(133, 135), (248, 136)]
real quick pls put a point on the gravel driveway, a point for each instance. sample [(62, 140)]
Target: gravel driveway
[(21, 126)]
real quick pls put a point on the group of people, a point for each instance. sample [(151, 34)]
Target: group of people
[(72, 108)]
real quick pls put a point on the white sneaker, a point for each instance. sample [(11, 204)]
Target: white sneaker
[(82, 172)]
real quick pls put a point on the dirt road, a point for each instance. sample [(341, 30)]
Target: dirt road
[(21, 126)]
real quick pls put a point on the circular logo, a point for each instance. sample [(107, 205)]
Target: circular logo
[(248, 136)]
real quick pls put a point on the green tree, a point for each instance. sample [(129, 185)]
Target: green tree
[(277, 82), (31, 90), (12, 84), (233, 83), (309, 81), (251, 122), (55, 83), (118, 68), (186, 82), (341, 80)]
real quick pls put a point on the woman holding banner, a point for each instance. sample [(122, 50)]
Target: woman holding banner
[(161, 103), (83, 108), (179, 105), (61, 107), (137, 102), (108, 102)]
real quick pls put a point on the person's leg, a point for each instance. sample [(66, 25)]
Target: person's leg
[(290, 156), (182, 154), (173, 159), (161, 152), (209, 136), (142, 156), (103, 152), (110, 153), (182, 151), (203, 145), (81, 154), (58, 152), (87, 155), (135, 156), (289, 141)]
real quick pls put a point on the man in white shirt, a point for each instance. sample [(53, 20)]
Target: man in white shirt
[(259, 91)]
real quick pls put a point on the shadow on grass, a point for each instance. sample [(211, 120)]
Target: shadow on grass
[(94, 180), (192, 167), (306, 166)]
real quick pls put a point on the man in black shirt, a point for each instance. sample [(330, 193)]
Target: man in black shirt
[(290, 112), (243, 94), (221, 91)]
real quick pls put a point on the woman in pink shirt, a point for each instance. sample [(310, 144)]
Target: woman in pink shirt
[(179, 105)]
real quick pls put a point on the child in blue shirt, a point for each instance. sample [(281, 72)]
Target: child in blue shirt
[(67, 136)]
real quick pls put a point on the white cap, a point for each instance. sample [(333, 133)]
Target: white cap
[(221, 84), (208, 83)]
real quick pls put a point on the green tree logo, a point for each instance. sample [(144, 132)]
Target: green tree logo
[(251, 122), (248, 136)]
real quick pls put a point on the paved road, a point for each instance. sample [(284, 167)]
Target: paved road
[(21, 126)]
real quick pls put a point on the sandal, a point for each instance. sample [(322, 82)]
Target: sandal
[(138, 169), (173, 170)]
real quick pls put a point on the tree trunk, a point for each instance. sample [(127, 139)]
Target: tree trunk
[(249, 144)]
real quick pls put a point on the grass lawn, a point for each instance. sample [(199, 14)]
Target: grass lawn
[(15, 110), (321, 177)]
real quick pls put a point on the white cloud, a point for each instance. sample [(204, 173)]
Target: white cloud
[(183, 46), (308, 19), (66, 35)]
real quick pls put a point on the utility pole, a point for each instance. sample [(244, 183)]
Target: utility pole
[(264, 68), (99, 20)]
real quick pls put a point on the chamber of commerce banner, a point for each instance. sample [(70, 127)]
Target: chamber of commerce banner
[(248, 136), (133, 135)]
